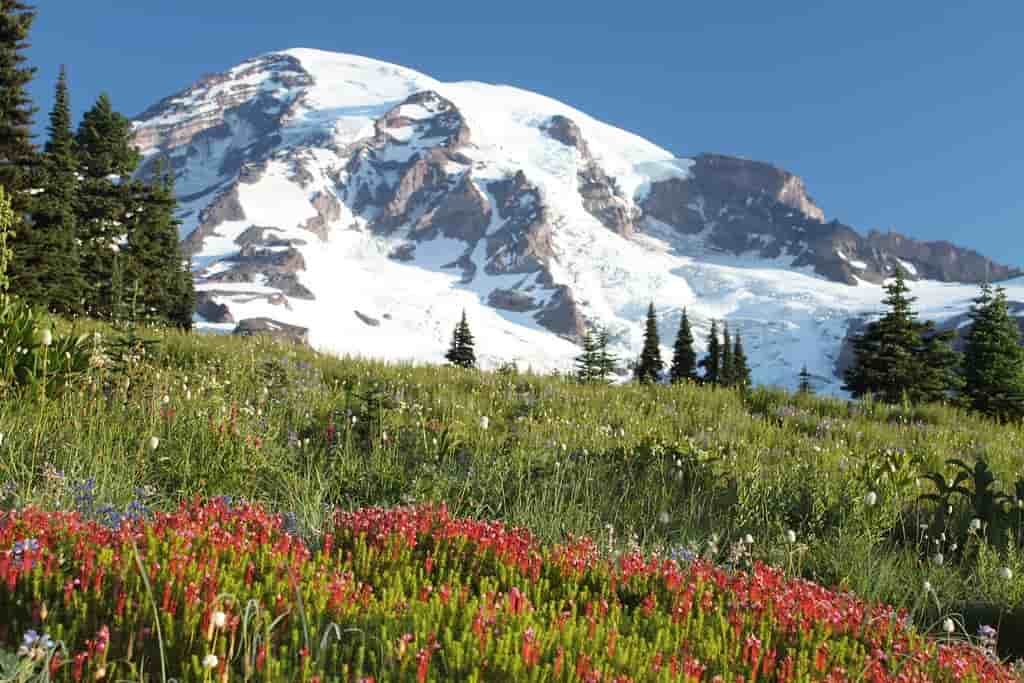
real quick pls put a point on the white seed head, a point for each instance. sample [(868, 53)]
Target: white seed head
[(927, 586), (663, 518), (748, 539), (485, 422), (45, 337), (790, 537), (210, 661), (219, 619), (154, 443), (938, 559), (948, 626), (1005, 573), (870, 498), (975, 525)]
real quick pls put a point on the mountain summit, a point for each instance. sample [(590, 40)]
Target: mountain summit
[(366, 205)]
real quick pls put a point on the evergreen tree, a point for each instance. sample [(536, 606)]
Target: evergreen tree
[(898, 357), (105, 142), (684, 358), (650, 367), (46, 251), (993, 367), (17, 153), (588, 362), (712, 362), (107, 158), (740, 368), (805, 386), (606, 362), (726, 373), (153, 262), (461, 352)]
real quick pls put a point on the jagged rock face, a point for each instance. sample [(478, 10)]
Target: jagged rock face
[(601, 195), (251, 327), (752, 207), (314, 184)]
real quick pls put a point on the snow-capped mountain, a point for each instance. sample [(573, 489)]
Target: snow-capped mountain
[(369, 205)]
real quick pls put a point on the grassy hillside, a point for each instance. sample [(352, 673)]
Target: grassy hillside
[(822, 489)]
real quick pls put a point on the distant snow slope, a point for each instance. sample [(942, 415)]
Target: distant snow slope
[(373, 204)]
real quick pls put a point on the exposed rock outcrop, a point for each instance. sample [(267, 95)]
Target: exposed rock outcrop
[(226, 207), (328, 210), (210, 310), (251, 327)]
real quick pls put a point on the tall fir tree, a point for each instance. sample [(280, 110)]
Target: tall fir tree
[(805, 386), (588, 362), (461, 353), (46, 250), (107, 158), (712, 361), (153, 262), (650, 367), (606, 360), (684, 358), (740, 366), (17, 153), (993, 367), (726, 373), (899, 358)]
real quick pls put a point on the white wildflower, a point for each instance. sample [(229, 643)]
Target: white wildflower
[(791, 537), (871, 498), (44, 337), (1005, 573), (154, 443), (210, 661), (948, 626), (938, 559), (219, 619), (975, 525), (485, 422), (748, 539)]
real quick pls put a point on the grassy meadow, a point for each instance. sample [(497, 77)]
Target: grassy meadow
[(860, 498)]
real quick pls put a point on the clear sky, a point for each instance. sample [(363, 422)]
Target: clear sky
[(902, 114)]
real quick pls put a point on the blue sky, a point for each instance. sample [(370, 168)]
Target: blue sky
[(906, 115)]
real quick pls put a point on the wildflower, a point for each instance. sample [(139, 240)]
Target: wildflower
[(871, 498), (927, 586), (1, 438), (219, 619), (166, 399), (154, 443), (663, 518), (938, 559), (975, 525), (948, 626), (1005, 573), (44, 337), (791, 537), (748, 539), (210, 661), (485, 422)]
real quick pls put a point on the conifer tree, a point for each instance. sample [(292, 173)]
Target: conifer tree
[(993, 367), (712, 362), (726, 373), (684, 358), (650, 367), (805, 386), (151, 260), (898, 357), (606, 361), (740, 368), (46, 251), (461, 352), (107, 158), (588, 362), (17, 153)]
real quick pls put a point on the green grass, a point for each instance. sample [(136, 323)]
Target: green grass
[(659, 467)]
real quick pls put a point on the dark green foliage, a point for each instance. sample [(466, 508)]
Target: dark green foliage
[(153, 267), (588, 362), (45, 267), (105, 142), (740, 374), (650, 367), (684, 358), (993, 367), (606, 362), (461, 353), (726, 374), (17, 153), (805, 386), (899, 358), (105, 149), (712, 362)]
